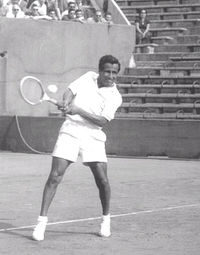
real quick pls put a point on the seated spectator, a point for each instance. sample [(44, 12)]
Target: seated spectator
[(35, 14), (51, 13), (42, 8), (142, 23), (71, 16), (86, 12), (8, 8), (79, 16), (2, 9), (108, 18), (16, 12), (97, 18), (53, 10), (71, 6)]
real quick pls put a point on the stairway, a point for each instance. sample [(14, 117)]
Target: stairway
[(165, 84)]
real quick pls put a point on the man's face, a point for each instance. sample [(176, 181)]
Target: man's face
[(35, 10), (143, 13), (108, 75), (79, 14), (52, 14), (72, 14), (98, 16), (15, 9), (108, 17)]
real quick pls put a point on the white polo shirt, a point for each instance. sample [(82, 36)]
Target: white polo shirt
[(89, 97)]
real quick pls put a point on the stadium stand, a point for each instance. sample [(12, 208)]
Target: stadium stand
[(165, 84)]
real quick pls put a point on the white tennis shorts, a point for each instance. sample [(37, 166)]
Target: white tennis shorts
[(70, 147)]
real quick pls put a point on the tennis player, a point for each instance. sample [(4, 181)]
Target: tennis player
[(89, 103)]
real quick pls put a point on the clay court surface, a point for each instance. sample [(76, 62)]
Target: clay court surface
[(155, 208)]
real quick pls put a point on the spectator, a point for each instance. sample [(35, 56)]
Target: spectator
[(71, 5), (35, 14), (16, 12), (42, 8), (79, 16), (97, 18), (53, 9), (9, 6), (108, 18), (52, 14), (71, 16), (2, 9), (86, 12), (142, 28)]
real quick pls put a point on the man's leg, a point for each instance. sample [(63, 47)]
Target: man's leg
[(58, 169), (99, 170)]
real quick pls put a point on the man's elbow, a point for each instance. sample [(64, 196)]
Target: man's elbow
[(104, 121)]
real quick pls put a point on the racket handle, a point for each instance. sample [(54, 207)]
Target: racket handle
[(53, 101)]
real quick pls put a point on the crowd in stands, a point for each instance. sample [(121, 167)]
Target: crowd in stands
[(66, 10)]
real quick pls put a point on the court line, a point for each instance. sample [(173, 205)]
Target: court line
[(112, 216)]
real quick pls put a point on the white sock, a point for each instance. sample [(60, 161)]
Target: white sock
[(106, 218), (43, 219)]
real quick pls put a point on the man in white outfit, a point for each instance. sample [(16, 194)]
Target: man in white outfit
[(89, 103)]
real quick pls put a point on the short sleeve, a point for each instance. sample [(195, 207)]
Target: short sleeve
[(77, 85)]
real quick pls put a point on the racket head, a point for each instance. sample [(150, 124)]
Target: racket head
[(32, 90)]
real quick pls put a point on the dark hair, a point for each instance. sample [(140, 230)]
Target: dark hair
[(108, 59), (139, 11), (108, 13), (78, 10)]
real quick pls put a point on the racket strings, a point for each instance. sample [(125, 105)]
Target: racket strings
[(32, 91)]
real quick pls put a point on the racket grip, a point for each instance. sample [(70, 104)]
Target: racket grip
[(54, 101)]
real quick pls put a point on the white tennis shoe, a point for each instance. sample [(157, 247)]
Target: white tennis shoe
[(105, 226), (39, 230)]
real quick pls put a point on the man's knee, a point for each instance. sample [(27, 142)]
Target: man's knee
[(104, 183), (54, 178)]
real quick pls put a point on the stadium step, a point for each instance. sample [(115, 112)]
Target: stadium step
[(159, 88), (161, 8), (143, 2), (150, 97), (164, 64), (153, 115), (134, 106), (163, 70), (170, 79), (186, 23), (183, 39), (166, 15), (169, 48), (165, 56), (154, 2)]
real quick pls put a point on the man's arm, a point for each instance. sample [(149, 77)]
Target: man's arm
[(95, 119), (67, 100)]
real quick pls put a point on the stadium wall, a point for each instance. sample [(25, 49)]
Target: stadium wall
[(56, 52), (125, 137)]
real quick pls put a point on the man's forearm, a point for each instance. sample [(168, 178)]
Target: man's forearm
[(95, 119), (68, 97)]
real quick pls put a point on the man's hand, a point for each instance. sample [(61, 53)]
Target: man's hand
[(72, 109), (68, 109), (63, 107)]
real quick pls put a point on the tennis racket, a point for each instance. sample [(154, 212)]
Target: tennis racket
[(33, 91)]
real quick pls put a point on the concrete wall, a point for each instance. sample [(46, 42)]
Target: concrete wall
[(180, 139), (56, 52)]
